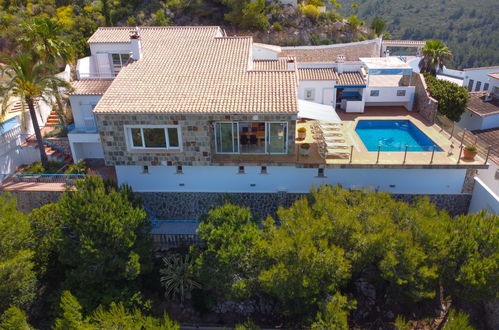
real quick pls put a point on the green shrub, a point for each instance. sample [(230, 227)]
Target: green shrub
[(452, 98), (37, 168), (77, 168), (277, 26), (310, 11)]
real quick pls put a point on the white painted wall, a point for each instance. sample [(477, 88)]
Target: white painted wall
[(388, 96), (85, 145), (472, 121), (478, 75), (86, 150), (288, 178), (81, 105), (490, 177), (265, 52), (483, 198), (12, 155), (96, 48), (319, 87)]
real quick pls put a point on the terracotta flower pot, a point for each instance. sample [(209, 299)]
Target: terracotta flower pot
[(304, 151), (469, 154), (302, 135)]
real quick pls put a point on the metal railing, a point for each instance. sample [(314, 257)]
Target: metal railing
[(462, 136), (67, 179), (81, 129)]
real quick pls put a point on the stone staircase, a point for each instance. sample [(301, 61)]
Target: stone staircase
[(53, 152), (52, 119)]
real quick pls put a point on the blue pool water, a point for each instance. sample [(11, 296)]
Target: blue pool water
[(9, 124), (393, 135)]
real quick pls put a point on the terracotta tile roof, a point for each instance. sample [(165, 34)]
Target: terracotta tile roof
[(482, 68), (90, 87), (122, 34), (479, 106), (270, 65), (404, 42), (494, 75), (317, 74), (490, 137), (188, 70), (352, 51), (351, 79)]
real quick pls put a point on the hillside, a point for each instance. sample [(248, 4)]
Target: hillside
[(470, 28)]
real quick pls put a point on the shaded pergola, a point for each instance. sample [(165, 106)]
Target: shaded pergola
[(418, 44), (388, 66)]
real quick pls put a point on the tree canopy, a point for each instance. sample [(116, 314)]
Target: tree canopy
[(452, 98)]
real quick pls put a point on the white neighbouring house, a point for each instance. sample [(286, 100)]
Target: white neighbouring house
[(189, 109)]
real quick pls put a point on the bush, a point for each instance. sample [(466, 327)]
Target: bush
[(310, 11), (77, 168), (452, 98), (37, 168), (277, 26)]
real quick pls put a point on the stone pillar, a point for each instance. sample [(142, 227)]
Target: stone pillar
[(469, 181)]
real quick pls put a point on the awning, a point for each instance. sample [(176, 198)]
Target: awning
[(317, 111)]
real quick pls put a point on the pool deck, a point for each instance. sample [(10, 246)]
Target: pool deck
[(361, 157)]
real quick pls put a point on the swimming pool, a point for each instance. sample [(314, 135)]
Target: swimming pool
[(9, 124), (393, 135)]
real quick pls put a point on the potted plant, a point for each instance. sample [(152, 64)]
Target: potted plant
[(304, 149), (302, 133), (470, 152)]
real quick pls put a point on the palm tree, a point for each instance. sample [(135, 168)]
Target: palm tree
[(29, 80), (178, 276), (43, 37), (435, 54)]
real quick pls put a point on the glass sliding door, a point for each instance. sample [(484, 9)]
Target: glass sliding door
[(252, 137), (277, 138), (227, 139)]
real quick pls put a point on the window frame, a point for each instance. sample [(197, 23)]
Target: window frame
[(486, 86), (478, 85), (401, 92), (374, 93), (267, 137), (131, 146), (312, 97), (122, 64)]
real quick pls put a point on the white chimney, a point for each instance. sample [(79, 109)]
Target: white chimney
[(135, 44), (340, 59), (291, 63)]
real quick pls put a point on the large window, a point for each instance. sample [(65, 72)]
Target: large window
[(154, 137), (119, 61), (251, 137)]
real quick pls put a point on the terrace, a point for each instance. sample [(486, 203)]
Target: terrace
[(353, 153)]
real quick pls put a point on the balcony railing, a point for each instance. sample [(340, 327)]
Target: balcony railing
[(67, 179), (82, 129)]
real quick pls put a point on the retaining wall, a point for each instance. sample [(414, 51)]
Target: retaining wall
[(192, 205)]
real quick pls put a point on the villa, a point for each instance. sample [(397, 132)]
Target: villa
[(189, 110)]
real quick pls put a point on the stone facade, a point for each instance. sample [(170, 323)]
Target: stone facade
[(29, 200), (469, 181), (191, 206), (197, 131), (426, 105)]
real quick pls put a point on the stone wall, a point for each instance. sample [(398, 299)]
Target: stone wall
[(62, 143), (426, 105), (29, 200), (198, 143), (190, 206), (469, 181)]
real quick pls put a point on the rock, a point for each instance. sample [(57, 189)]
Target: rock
[(389, 315)]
